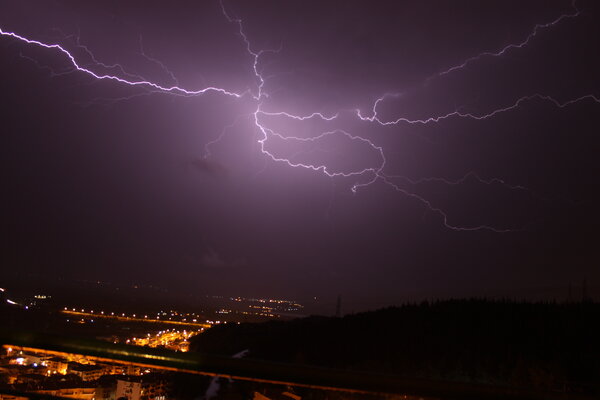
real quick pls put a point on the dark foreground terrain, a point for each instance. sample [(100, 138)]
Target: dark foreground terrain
[(549, 346)]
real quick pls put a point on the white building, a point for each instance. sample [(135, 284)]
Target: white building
[(130, 389)]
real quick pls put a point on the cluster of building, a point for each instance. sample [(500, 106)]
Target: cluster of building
[(263, 308), (271, 304), (76, 376), (171, 339)]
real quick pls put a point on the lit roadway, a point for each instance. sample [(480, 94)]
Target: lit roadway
[(174, 340), (134, 319)]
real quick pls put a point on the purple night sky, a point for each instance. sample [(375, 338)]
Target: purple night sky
[(384, 151)]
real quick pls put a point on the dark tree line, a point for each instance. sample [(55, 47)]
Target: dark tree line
[(546, 345)]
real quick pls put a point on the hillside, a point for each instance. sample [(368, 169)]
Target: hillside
[(546, 345)]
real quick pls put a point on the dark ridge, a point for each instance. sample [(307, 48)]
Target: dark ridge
[(550, 346)]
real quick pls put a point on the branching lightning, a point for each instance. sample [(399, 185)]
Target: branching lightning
[(511, 46), (461, 180), (364, 177), (435, 119), (126, 81), (156, 61)]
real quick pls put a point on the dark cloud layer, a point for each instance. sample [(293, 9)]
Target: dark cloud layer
[(93, 185)]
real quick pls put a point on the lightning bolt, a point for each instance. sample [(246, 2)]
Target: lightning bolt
[(453, 182), (207, 146), (156, 61), (127, 81), (364, 177), (458, 114), (512, 46)]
